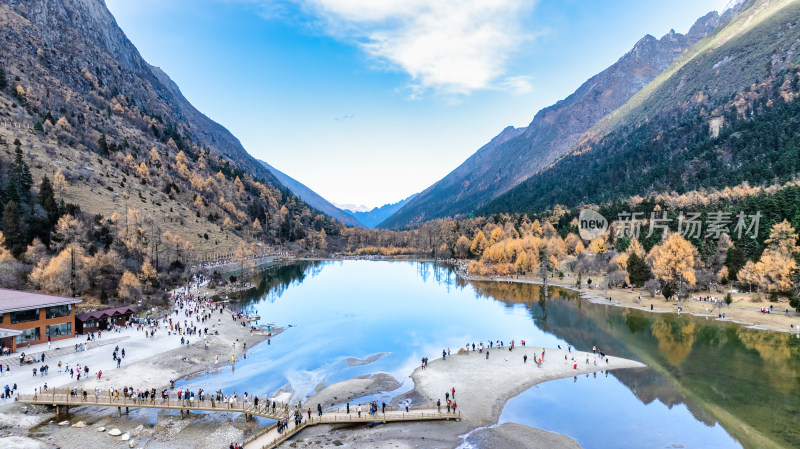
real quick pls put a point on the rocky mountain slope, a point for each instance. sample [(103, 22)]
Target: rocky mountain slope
[(87, 108), (722, 115), (312, 198), (516, 154)]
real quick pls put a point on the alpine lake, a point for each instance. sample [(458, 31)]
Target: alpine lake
[(709, 383)]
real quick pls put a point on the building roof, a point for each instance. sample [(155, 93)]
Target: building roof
[(16, 300), (105, 313)]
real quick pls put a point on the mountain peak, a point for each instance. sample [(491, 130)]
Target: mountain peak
[(704, 25)]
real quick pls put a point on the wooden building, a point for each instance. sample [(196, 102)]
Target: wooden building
[(28, 318), (103, 319)]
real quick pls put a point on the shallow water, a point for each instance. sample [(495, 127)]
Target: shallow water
[(703, 369), (601, 412)]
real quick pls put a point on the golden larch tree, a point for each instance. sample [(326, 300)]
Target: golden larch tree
[(479, 244), (496, 236), (673, 260), (636, 248), (775, 270), (148, 274), (130, 288), (462, 247), (783, 239), (598, 245)]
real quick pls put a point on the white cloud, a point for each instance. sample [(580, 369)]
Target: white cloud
[(449, 46), (517, 84)]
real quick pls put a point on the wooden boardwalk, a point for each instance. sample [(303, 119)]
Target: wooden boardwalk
[(267, 438), (61, 397)]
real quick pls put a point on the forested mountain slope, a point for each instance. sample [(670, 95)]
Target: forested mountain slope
[(725, 114)]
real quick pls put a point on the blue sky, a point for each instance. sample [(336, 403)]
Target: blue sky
[(369, 101)]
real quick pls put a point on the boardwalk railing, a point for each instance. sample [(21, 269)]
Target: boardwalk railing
[(336, 418), (264, 439), (67, 397)]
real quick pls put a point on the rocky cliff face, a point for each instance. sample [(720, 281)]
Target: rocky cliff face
[(516, 154), (77, 44)]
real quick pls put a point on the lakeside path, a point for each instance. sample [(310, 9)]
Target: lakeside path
[(743, 310)]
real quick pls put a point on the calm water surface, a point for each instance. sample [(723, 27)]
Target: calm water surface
[(711, 384)]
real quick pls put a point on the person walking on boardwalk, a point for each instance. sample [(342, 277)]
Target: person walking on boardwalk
[(383, 407), (348, 408), (319, 409), (359, 410), (453, 393), (439, 405), (444, 353), (309, 413)]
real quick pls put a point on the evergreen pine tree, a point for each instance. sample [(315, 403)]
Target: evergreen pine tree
[(638, 270), (11, 191), (102, 143), (22, 172), (47, 200), (735, 259), (11, 229)]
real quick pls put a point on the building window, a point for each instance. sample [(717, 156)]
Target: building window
[(24, 316), (28, 335), (59, 330), (58, 311)]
